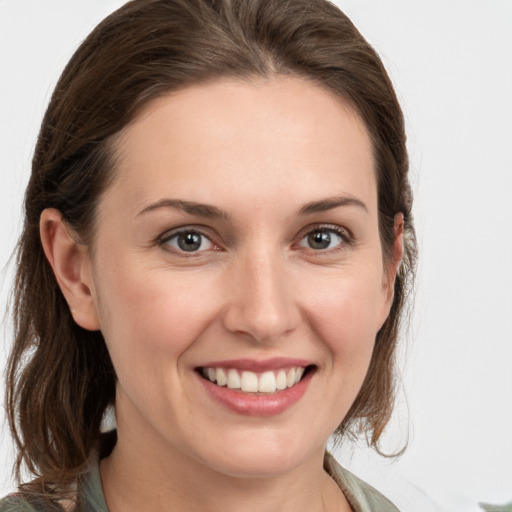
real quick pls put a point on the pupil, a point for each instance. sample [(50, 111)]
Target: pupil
[(319, 240), (189, 242)]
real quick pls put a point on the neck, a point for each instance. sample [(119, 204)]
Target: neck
[(158, 479)]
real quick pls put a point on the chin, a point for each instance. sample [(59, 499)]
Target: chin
[(260, 458)]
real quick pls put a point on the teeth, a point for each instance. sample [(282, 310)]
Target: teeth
[(233, 379), (220, 377), (267, 383), (290, 379), (250, 382), (281, 380)]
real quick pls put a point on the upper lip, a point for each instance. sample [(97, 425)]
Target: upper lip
[(258, 366)]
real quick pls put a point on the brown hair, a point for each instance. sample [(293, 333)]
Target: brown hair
[(60, 378)]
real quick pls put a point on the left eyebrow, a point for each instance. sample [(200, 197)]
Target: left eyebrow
[(330, 203)]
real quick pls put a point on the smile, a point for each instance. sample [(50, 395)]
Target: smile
[(252, 382), (257, 388)]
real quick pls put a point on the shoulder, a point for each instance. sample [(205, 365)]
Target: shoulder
[(14, 503), (20, 503), (86, 497), (361, 496)]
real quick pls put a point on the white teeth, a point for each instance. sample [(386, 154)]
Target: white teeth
[(233, 379), (267, 383), (220, 377), (281, 380), (250, 382), (290, 379)]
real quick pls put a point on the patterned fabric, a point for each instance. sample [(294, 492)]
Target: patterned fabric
[(361, 496)]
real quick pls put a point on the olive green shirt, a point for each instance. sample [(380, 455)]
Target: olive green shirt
[(361, 496)]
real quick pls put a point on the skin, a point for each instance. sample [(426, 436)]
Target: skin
[(260, 151)]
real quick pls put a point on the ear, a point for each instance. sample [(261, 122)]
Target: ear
[(396, 257), (71, 265)]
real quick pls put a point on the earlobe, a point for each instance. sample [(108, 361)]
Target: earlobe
[(72, 268)]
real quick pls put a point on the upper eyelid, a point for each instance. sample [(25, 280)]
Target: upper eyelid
[(171, 233), (342, 231)]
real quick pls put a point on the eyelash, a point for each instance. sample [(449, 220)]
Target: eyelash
[(164, 240), (346, 240)]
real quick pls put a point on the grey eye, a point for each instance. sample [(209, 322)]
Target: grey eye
[(321, 239), (189, 241)]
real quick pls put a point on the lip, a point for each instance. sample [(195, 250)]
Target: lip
[(262, 405)]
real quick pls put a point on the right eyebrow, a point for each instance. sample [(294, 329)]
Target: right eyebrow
[(192, 208)]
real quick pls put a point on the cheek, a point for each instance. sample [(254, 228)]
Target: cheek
[(346, 314), (149, 316)]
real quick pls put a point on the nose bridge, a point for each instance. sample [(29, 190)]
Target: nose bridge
[(262, 304)]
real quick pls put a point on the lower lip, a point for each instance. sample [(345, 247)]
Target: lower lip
[(258, 405)]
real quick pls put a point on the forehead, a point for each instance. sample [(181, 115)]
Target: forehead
[(289, 132)]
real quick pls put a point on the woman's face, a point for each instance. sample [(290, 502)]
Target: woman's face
[(238, 249)]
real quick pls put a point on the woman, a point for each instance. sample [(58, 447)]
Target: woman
[(217, 242)]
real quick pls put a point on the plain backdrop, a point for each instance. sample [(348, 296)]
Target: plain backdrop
[(451, 62)]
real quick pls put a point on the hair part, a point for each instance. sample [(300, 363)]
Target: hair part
[(60, 378)]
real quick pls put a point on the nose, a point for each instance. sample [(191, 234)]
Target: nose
[(261, 304)]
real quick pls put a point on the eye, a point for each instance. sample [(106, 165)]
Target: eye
[(322, 239), (188, 241)]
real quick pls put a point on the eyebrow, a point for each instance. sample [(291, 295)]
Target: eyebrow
[(330, 203), (213, 212), (190, 207)]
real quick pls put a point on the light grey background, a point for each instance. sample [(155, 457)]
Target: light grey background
[(451, 62)]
